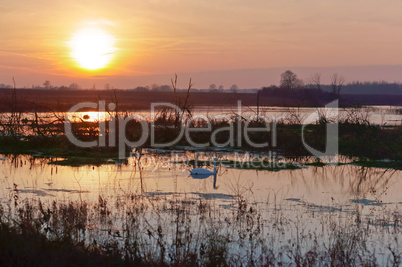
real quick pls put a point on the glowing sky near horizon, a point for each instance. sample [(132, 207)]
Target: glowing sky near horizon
[(158, 37)]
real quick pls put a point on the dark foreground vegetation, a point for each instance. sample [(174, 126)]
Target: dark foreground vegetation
[(26, 247), (132, 229)]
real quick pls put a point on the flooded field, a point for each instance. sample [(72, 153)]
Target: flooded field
[(376, 115), (254, 215), (223, 204)]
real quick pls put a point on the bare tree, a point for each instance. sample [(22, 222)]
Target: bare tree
[(289, 80), (234, 88), (74, 86), (220, 88), (315, 80), (212, 87), (337, 82), (47, 84)]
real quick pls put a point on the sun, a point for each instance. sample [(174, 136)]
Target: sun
[(92, 48)]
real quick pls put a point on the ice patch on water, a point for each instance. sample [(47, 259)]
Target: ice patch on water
[(213, 195), (66, 190), (319, 208), (39, 193), (294, 199), (156, 194), (314, 207), (368, 202)]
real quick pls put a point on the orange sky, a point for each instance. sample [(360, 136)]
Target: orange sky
[(177, 36)]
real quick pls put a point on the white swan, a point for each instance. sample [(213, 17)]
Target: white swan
[(200, 173)]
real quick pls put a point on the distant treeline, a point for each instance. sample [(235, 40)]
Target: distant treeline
[(353, 88), (369, 88), (339, 87), (310, 97)]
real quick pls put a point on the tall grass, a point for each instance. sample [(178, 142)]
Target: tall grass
[(181, 230), (357, 137)]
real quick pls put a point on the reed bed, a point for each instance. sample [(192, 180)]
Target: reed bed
[(185, 230)]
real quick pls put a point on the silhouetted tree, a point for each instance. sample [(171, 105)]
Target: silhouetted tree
[(315, 80), (337, 82), (234, 88), (47, 84), (2, 85), (220, 88), (289, 80), (74, 86), (212, 87)]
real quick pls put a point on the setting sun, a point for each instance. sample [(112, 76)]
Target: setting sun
[(92, 48)]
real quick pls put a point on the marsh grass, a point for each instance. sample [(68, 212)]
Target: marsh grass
[(357, 137), (182, 230)]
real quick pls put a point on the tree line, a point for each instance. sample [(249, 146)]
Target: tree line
[(338, 85), (288, 80)]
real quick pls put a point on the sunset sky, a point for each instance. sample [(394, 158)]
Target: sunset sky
[(154, 39)]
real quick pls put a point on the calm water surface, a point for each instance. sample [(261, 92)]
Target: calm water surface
[(380, 115), (321, 186), (303, 202)]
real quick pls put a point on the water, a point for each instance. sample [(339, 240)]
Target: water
[(378, 115), (302, 203), (328, 185), (289, 201)]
